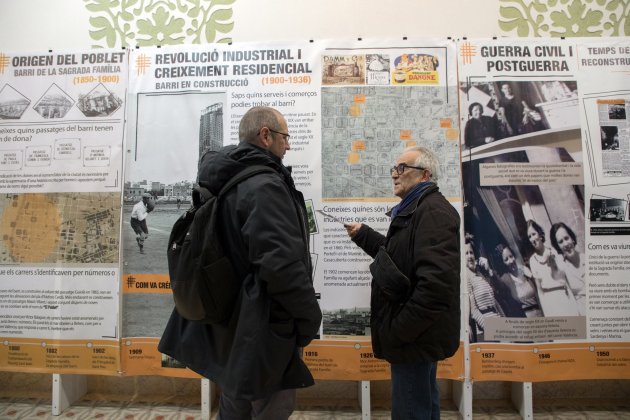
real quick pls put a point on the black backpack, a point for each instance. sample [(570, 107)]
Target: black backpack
[(203, 282)]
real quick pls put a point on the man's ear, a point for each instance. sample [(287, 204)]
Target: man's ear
[(262, 138), (265, 137)]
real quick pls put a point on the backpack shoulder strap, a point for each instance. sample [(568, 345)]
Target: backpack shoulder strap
[(244, 174)]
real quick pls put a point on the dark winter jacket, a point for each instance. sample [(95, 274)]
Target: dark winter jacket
[(423, 242), (265, 234)]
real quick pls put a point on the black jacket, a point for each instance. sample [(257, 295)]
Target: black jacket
[(265, 234), (424, 243)]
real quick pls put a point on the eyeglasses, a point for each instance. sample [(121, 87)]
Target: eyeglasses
[(400, 168), (285, 136)]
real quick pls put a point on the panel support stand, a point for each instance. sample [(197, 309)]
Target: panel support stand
[(66, 389), (206, 399), (522, 399), (462, 397), (364, 400)]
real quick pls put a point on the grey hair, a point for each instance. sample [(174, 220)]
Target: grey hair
[(427, 160), (255, 119)]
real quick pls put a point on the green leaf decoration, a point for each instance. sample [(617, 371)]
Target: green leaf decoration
[(560, 19), (511, 13), (221, 14), (101, 22), (210, 32), (160, 17), (97, 7), (159, 22), (564, 17), (516, 20), (521, 26), (99, 34), (144, 26), (576, 9), (539, 7), (612, 5), (577, 22), (225, 27), (181, 8), (127, 16), (594, 18), (221, 3), (214, 26), (193, 12)]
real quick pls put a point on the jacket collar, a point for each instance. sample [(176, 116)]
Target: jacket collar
[(252, 154)]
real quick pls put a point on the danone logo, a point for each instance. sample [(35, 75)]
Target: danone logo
[(415, 69)]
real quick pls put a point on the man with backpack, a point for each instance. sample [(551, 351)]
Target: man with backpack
[(255, 355)]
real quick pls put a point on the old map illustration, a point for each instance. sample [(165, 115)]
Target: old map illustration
[(364, 129), (59, 228)]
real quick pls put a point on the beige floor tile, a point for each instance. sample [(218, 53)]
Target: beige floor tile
[(40, 409)]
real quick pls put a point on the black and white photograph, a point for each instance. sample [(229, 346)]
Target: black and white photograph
[(172, 131), (524, 253), (99, 102), (12, 103), (607, 209), (346, 322), (145, 314), (55, 103), (617, 111), (377, 66), (610, 137), (169, 362), (312, 220), (497, 110)]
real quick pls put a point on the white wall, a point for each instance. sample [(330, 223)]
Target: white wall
[(324, 19), (36, 25)]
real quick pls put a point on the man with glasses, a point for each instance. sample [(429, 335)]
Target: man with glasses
[(255, 358), (415, 307)]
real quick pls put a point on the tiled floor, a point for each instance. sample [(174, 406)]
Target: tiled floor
[(13, 408)]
